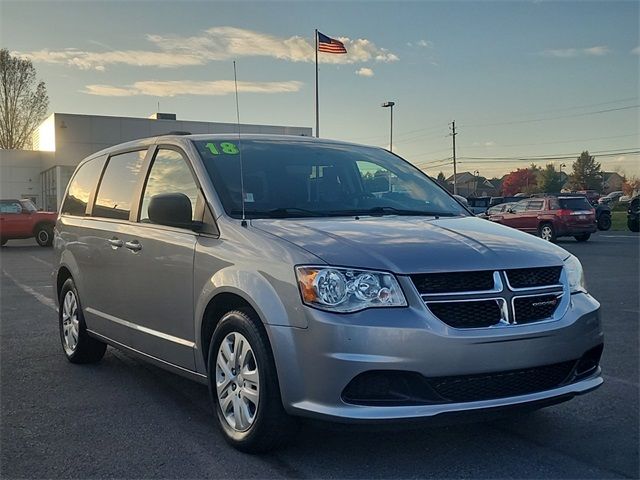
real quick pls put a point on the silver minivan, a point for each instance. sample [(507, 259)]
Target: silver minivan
[(302, 277)]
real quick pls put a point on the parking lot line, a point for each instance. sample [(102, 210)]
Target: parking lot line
[(38, 296)]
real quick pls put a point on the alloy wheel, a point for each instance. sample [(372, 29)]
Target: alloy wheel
[(546, 233), (237, 382), (70, 322)]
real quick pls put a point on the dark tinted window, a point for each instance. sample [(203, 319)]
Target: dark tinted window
[(535, 205), (81, 187), (118, 183), (575, 203), (169, 174), (10, 206)]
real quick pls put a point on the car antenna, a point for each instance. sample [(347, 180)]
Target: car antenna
[(235, 80)]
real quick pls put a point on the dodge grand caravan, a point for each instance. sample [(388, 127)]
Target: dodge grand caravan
[(299, 277)]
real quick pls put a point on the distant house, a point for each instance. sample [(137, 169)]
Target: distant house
[(470, 185), (612, 182)]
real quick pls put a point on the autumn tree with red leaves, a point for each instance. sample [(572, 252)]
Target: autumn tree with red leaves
[(523, 180)]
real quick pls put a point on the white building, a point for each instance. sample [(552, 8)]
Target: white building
[(64, 139)]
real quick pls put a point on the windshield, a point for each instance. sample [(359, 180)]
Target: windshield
[(284, 178), (28, 205)]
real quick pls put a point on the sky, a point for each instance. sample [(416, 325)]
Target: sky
[(521, 79)]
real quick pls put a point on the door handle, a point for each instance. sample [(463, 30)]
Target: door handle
[(134, 245), (115, 242)]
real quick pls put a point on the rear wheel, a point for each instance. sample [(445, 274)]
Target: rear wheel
[(582, 237), (604, 222), (78, 346), (44, 235), (3, 241), (634, 225), (546, 232), (244, 385)]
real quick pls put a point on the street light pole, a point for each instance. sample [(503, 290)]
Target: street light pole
[(390, 105)]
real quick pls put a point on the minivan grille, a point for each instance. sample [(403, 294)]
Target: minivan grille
[(483, 313), (481, 299), (431, 283), (534, 277)]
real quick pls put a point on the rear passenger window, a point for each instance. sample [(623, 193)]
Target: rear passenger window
[(118, 183), (535, 205), (169, 174), (81, 187)]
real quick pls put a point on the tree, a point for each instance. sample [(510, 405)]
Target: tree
[(586, 173), (520, 181), (23, 101), (550, 180), (441, 178)]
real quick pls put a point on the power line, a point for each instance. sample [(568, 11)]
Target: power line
[(558, 142), (567, 156), (584, 114)]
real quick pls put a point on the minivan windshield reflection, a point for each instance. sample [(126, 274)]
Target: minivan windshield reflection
[(297, 179)]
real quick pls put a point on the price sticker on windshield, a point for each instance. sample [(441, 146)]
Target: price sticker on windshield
[(222, 148)]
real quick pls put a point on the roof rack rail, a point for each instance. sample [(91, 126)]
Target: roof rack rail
[(175, 132)]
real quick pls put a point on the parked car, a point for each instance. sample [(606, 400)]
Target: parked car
[(478, 205), (611, 197), (21, 219), (498, 200), (551, 217), (633, 214), (496, 209), (603, 212), (264, 267), (592, 195)]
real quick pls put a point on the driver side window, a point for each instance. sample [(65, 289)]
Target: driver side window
[(169, 174)]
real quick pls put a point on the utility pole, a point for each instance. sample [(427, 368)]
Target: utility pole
[(455, 172)]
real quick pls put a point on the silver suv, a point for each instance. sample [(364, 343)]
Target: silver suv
[(300, 277)]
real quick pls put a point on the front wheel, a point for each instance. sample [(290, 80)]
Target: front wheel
[(44, 235), (582, 237), (634, 225), (78, 346), (604, 222), (244, 385)]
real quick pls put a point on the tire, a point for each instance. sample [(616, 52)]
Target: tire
[(582, 237), (77, 345), (249, 425), (3, 241), (634, 225), (44, 235), (604, 222), (547, 232)]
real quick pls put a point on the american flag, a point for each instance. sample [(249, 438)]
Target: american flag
[(330, 45)]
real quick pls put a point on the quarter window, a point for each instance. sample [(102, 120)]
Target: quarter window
[(81, 187), (535, 205), (117, 186), (169, 174)]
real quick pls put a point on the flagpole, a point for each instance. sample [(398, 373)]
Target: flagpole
[(317, 106)]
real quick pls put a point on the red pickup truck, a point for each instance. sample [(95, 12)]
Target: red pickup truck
[(21, 219)]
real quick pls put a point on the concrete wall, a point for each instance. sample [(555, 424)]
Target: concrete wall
[(20, 173)]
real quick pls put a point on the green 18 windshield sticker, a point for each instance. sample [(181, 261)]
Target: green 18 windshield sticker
[(224, 148)]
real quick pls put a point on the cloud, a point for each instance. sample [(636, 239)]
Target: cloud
[(489, 143), (595, 51), (214, 44), (189, 87), (425, 44), (365, 72), (636, 51)]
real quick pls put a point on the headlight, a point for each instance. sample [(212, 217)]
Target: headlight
[(575, 275), (348, 290)]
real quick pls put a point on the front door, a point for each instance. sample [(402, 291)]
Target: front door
[(158, 275), (15, 222)]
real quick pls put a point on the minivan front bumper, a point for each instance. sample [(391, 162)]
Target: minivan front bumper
[(316, 364)]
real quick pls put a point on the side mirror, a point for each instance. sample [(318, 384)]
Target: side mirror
[(171, 209)]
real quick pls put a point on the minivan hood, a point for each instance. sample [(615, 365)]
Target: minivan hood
[(406, 245)]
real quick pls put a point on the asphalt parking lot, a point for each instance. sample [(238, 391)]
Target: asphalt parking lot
[(124, 418)]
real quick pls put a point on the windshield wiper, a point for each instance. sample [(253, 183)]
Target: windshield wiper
[(400, 211), (292, 212)]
